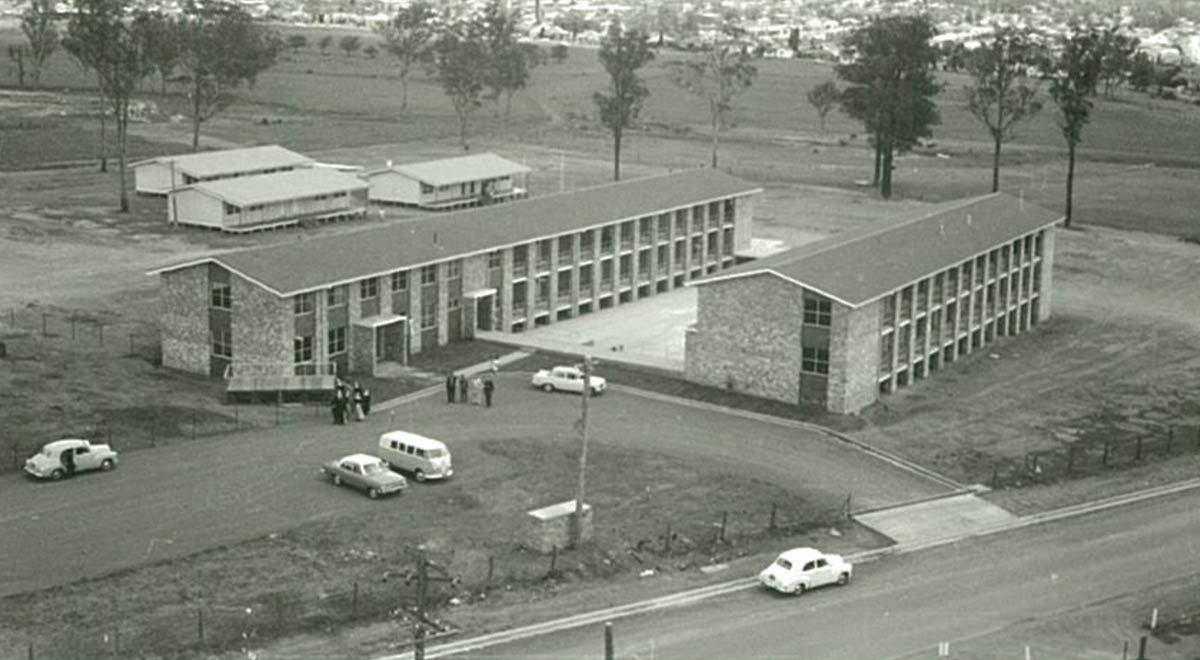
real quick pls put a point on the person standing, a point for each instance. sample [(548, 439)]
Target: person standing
[(366, 401), (489, 386), (335, 406), (463, 387), (68, 460), (451, 386), (357, 403)]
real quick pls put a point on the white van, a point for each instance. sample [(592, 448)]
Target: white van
[(425, 458)]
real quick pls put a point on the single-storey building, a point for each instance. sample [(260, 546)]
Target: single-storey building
[(158, 176), (839, 322), (352, 300), (268, 201), (449, 183)]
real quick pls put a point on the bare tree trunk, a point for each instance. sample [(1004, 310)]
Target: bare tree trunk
[(822, 115), (617, 155), (1070, 181), (196, 117), (716, 136), (462, 131), (103, 139), (885, 188), (878, 163), (996, 164), (122, 141)]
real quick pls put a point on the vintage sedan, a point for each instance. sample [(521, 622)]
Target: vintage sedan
[(801, 569), (566, 379), (62, 458), (365, 472)]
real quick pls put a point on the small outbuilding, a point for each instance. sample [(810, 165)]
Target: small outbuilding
[(158, 176), (269, 201), (449, 183)]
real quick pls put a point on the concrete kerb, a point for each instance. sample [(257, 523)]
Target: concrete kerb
[(882, 455), (748, 582)]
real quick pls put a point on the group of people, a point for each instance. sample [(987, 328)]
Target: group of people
[(350, 403), (462, 389)]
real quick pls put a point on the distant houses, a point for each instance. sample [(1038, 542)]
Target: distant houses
[(158, 176), (269, 201), (449, 183)]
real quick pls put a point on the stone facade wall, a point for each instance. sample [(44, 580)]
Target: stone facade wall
[(263, 325), (854, 357), (362, 349), (747, 337), (186, 344), (1047, 293)]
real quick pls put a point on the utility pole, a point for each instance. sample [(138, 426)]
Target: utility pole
[(577, 520), (423, 580)]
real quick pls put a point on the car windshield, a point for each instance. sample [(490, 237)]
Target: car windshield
[(437, 453), (783, 563), (373, 468)]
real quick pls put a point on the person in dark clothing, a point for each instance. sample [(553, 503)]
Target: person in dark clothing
[(463, 388), (489, 386), (451, 387), (335, 407), (68, 460), (366, 401)]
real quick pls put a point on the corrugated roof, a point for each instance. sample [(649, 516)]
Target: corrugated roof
[(266, 188), (460, 170), (231, 161), (856, 267), (314, 263)]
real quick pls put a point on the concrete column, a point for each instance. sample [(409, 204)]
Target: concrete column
[(553, 281), (670, 250), (893, 338), (443, 299), (702, 222), (635, 259), (928, 301), (576, 259), (1046, 294), (1018, 281), (505, 310)]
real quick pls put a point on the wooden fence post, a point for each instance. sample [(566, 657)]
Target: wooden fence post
[(1104, 460), (1137, 456), (724, 520), (553, 560), (995, 477), (1170, 438), (491, 571), (193, 425), (1070, 459), (667, 542), (200, 625), (771, 525), (608, 641), (354, 601)]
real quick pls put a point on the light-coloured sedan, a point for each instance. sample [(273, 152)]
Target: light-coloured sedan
[(801, 569), (62, 458), (566, 379), (365, 472)]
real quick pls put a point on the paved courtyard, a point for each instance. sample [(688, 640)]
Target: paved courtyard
[(649, 332)]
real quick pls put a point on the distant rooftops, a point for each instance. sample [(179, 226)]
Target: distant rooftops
[(267, 188), (856, 267), (208, 164), (449, 171)]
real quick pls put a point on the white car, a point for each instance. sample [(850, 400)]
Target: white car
[(801, 569), (57, 459), (566, 379)]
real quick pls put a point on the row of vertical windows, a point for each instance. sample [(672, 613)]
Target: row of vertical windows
[(817, 311), (222, 343), (221, 296), (815, 361)]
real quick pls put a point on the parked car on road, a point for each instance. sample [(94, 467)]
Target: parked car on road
[(566, 379), (365, 472), (62, 458), (801, 569)]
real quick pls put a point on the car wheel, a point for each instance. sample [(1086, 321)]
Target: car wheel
[(57, 474), (337, 481), (843, 579), (800, 589), (547, 387), (595, 392), (419, 475), (373, 493), (107, 464)]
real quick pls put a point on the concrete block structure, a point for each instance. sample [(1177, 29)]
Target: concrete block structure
[(449, 183), (839, 322), (354, 300), (549, 527), (269, 201), (159, 176)]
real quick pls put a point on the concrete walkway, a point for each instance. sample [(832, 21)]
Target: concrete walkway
[(507, 358), (935, 519)]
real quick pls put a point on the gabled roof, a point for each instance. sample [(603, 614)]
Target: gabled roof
[(231, 161), (462, 169), (266, 188), (856, 267), (314, 263)]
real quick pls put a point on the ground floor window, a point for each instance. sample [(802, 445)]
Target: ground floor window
[(428, 317), (302, 349), (337, 341), (222, 343), (816, 361)]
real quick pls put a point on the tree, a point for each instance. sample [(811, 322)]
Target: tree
[(324, 43), (718, 77), (350, 44), (408, 36), (81, 53), (225, 47), (891, 77), (1070, 85), (1115, 53), (40, 30), (371, 51), (1000, 97), (19, 55), (507, 66), (559, 52), (459, 52), (793, 41), (162, 43), (622, 53), (100, 37), (1142, 72), (824, 97), (574, 21), (297, 42)]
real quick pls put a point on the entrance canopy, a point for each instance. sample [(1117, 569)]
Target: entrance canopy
[(479, 293), (380, 320)]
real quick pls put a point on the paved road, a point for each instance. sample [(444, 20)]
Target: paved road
[(902, 607), (176, 500)]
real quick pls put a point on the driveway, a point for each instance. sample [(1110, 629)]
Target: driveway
[(177, 500)]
